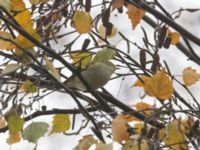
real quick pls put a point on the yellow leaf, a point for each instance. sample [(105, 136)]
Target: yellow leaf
[(139, 127), (17, 5), (175, 136), (81, 59), (29, 87), (139, 82), (24, 42), (135, 14), (61, 123), (2, 122), (24, 20), (82, 21), (52, 69), (38, 1), (5, 44), (119, 129), (117, 4), (159, 86), (102, 31), (190, 76), (14, 138), (175, 36)]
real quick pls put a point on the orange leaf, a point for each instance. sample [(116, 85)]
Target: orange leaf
[(117, 4), (139, 107), (130, 118), (17, 5), (159, 86), (139, 82), (135, 14), (14, 138), (119, 129), (142, 106), (190, 76)]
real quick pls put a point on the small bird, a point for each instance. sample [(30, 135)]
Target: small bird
[(97, 75)]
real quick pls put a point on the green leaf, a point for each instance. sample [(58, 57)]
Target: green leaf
[(61, 123), (29, 87), (86, 142), (15, 123), (34, 131), (10, 68), (104, 55), (51, 68), (24, 57)]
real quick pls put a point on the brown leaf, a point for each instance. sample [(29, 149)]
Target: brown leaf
[(17, 5), (86, 142), (119, 129), (135, 14), (102, 146), (117, 4)]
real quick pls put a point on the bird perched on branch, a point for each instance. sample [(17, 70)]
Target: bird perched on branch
[(97, 75)]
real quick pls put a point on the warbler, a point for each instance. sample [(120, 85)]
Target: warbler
[(97, 75)]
